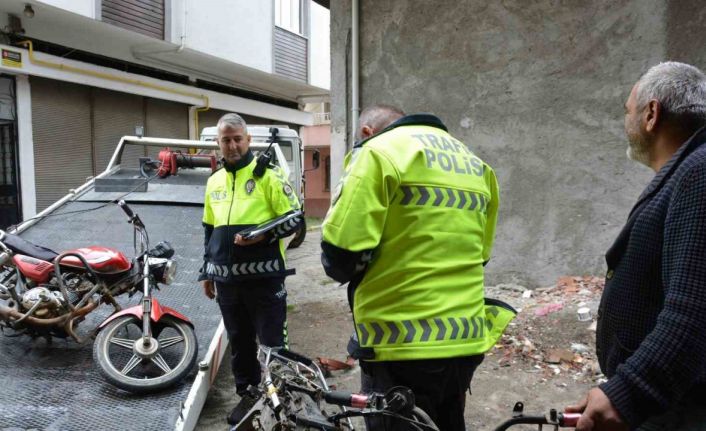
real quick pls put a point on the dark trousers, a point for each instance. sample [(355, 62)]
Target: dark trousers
[(250, 309), (439, 387)]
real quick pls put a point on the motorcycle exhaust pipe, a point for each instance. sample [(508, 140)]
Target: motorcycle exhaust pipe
[(11, 316)]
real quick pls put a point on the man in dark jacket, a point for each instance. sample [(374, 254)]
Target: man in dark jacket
[(651, 338)]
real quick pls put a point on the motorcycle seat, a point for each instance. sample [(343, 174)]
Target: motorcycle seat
[(22, 246)]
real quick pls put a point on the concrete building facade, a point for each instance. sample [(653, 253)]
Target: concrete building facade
[(76, 75), (536, 89)]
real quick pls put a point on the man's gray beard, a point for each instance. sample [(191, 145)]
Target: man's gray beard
[(638, 152)]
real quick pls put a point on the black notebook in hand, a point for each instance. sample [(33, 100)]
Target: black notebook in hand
[(252, 232)]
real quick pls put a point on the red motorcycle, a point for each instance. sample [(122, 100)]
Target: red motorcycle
[(43, 293)]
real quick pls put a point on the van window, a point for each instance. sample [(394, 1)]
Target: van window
[(286, 148)]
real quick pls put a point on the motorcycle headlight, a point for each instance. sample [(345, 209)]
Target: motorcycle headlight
[(163, 270), (169, 272)]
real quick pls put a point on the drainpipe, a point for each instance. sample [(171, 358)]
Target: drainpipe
[(355, 108), (104, 75)]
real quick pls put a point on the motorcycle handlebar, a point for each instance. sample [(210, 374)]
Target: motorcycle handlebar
[(122, 204)]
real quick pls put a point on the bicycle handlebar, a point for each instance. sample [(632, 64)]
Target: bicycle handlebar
[(557, 420), (570, 419), (347, 399)]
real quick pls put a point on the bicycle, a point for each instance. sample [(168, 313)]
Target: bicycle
[(294, 395)]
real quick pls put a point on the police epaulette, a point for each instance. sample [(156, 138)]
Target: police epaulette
[(212, 173)]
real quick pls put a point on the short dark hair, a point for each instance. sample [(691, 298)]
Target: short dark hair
[(379, 116)]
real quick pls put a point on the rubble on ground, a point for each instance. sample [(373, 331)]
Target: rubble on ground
[(547, 336)]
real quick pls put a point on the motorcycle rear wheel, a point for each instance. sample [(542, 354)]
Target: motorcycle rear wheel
[(123, 365)]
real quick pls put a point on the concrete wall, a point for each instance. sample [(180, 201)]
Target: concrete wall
[(537, 90)]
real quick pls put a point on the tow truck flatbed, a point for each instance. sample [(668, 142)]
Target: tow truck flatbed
[(56, 385)]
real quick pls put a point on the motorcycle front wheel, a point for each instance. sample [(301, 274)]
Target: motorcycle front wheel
[(128, 364)]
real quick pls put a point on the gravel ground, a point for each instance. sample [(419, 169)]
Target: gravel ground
[(545, 359)]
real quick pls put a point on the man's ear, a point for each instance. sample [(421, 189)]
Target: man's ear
[(366, 132), (652, 115)]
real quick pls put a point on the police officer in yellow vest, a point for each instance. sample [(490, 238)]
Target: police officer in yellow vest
[(410, 228), (247, 274)]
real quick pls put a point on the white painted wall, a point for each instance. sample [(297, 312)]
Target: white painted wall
[(81, 7), (237, 30), (320, 46), (103, 77)]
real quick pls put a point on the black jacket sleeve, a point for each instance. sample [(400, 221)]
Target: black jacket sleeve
[(288, 227), (207, 232), (341, 264)]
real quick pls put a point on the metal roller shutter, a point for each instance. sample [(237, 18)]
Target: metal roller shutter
[(210, 118), (142, 16), (61, 129), (291, 51), (165, 119), (114, 116)]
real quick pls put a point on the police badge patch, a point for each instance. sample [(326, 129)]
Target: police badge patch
[(250, 186), (287, 189)]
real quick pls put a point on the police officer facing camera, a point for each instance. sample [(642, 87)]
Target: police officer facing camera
[(247, 274)]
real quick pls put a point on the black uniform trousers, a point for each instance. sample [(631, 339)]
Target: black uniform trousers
[(439, 387), (252, 309)]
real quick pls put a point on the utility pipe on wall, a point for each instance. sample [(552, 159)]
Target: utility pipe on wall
[(355, 107), (104, 75)]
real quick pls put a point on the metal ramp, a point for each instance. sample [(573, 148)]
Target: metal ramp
[(57, 386)]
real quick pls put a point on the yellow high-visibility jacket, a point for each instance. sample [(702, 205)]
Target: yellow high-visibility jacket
[(417, 210), (235, 199)]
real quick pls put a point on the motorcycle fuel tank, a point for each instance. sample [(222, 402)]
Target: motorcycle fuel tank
[(102, 259)]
